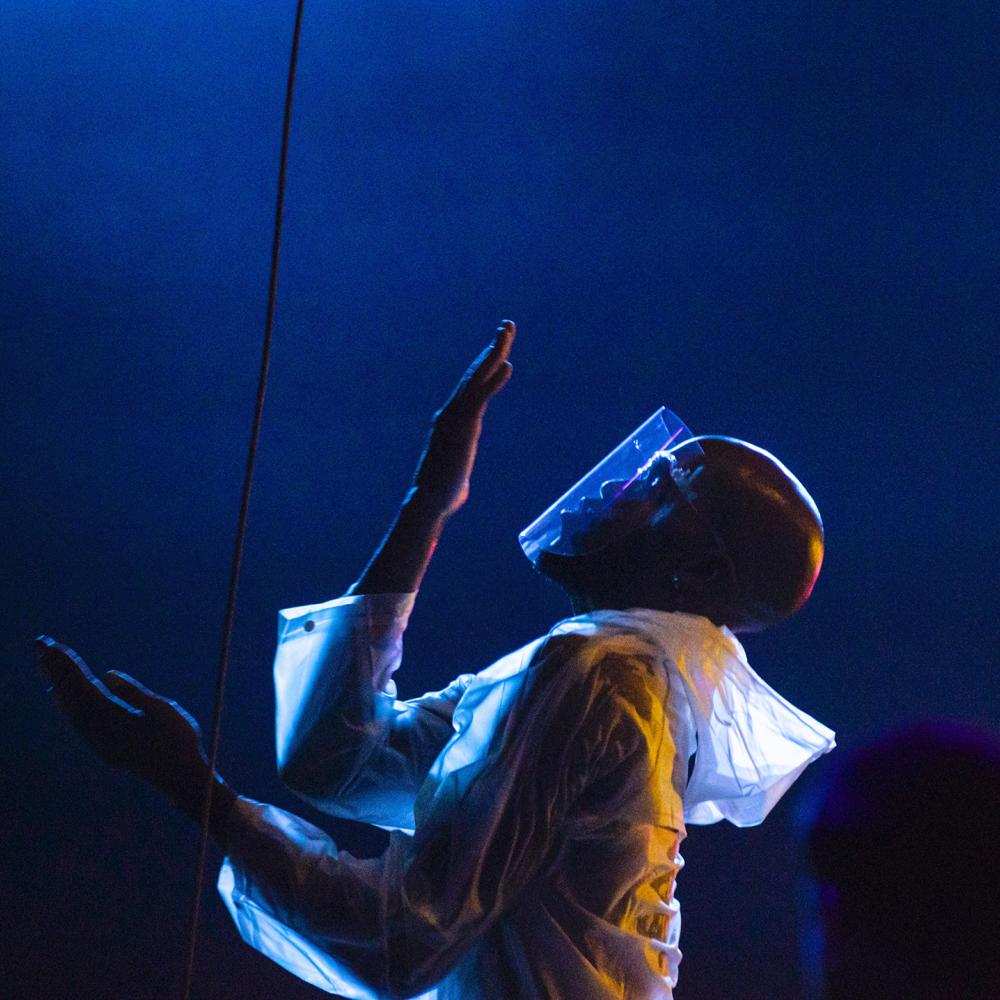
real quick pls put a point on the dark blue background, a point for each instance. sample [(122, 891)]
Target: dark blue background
[(778, 219)]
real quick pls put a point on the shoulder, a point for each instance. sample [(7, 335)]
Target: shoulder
[(610, 665)]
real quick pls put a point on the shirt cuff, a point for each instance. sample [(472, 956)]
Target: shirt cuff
[(265, 884), (387, 614)]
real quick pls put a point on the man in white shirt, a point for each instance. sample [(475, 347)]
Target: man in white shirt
[(536, 808)]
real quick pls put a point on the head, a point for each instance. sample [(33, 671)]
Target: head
[(726, 532)]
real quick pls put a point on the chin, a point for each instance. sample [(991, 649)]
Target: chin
[(584, 580), (558, 569), (569, 573)]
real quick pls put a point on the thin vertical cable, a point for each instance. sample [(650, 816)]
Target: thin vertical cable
[(234, 576)]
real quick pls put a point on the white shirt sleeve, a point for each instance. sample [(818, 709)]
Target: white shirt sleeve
[(344, 743)]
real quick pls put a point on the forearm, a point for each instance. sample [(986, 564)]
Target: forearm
[(441, 484), (344, 924), (400, 562)]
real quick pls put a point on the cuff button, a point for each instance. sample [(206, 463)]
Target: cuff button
[(309, 625)]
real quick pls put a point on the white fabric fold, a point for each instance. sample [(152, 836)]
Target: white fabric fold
[(751, 742), (574, 747)]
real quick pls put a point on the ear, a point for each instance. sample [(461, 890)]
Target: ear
[(699, 574)]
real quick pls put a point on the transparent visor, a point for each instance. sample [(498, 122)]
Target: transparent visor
[(622, 493)]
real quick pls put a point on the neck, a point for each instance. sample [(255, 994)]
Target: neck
[(585, 603)]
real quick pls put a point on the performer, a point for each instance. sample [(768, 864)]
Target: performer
[(536, 808)]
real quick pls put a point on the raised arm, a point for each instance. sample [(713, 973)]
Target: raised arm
[(441, 483), (344, 742)]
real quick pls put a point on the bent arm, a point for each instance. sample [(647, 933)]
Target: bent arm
[(344, 743), (396, 925), (441, 484)]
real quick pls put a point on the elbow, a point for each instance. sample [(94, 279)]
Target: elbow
[(319, 753)]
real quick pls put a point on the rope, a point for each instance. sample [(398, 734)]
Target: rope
[(227, 635)]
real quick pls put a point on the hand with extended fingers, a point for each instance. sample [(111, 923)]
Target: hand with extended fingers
[(129, 725), (442, 479)]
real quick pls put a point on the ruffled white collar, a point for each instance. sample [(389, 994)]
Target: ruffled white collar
[(752, 742)]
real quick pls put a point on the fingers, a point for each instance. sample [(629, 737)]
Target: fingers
[(129, 689), (500, 378), (60, 663), (75, 687), (154, 705), (505, 334), (492, 357), (105, 721), (487, 375), (495, 356)]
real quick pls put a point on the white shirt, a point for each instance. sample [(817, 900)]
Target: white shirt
[(536, 808)]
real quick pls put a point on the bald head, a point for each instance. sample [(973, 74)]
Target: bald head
[(733, 536), (767, 522)]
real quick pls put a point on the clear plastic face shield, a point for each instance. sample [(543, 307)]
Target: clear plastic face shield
[(619, 495)]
